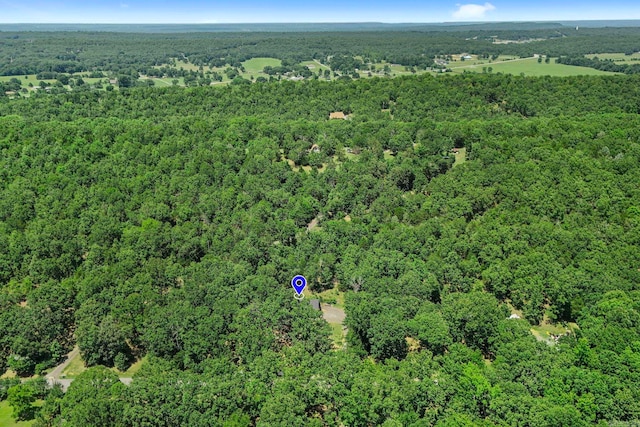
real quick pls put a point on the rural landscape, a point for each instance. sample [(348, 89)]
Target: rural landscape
[(462, 199)]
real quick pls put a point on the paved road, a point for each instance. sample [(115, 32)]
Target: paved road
[(61, 367), (53, 377)]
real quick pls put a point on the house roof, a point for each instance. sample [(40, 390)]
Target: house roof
[(315, 303), (337, 115)]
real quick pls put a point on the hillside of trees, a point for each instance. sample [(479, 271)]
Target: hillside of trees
[(167, 223)]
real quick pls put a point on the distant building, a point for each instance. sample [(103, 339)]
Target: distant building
[(315, 304), (315, 148), (337, 115), (467, 57), (514, 316)]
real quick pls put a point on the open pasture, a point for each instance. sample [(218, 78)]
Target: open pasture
[(531, 67)]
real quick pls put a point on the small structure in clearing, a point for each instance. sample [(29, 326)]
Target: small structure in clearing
[(315, 148), (315, 304), (337, 115)]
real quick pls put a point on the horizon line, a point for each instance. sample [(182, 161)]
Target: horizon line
[(325, 22)]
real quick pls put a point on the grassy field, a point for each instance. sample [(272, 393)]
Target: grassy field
[(331, 296), (314, 66), (504, 64), (617, 57), (388, 155), (76, 367), (461, 157), (253, 67), (31, 78), (256, 65), (189, 66), (6, 420), (337, 336), (479, 61), (167, 82), (531, 67)]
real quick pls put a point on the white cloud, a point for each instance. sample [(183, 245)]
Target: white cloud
[(472, 11)]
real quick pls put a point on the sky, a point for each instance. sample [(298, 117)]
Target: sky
[(253, 11)]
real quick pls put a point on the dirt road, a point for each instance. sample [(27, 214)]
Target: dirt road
[(332, 314)]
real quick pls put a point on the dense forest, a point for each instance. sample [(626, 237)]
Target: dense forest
[(32, 52), (167, 223)]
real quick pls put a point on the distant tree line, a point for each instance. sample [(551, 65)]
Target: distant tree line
[(72, 52), (598, 64)]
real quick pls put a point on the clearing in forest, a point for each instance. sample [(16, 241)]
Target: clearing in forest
[(74, 366), (461, 156), (531, 67), (333, 313), (253, 67)]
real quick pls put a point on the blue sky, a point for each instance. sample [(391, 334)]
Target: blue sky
[(246, 11)]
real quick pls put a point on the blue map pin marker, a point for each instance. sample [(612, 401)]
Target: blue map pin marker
[(299, 283)]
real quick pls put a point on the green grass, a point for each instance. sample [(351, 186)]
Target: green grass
[(531, 67), (6, 420), (76, 367), (461, 157), (165, 82), (189, 66), (479, 61), (314, 66), (133, 369), (616, 57), (253, 67), (336, 335), (331, 295), (31, 78), (256, 65), (544, 331)]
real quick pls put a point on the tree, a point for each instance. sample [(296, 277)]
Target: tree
[(473, 317), (21, 398), (94, 398), (125, 81), (48, 416), (431, 329)]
